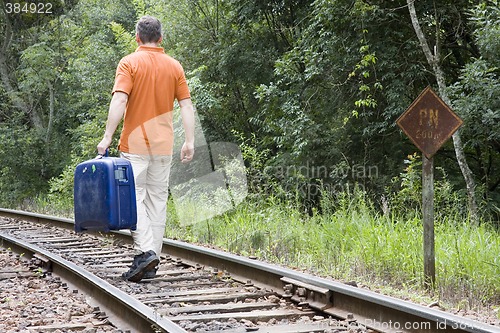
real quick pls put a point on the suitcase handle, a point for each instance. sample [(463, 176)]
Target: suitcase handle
[(106, 154)]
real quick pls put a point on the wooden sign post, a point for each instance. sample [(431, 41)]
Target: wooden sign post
[(429, 123), (428, 220)]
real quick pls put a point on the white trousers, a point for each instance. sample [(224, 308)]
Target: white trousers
[(151, 175)]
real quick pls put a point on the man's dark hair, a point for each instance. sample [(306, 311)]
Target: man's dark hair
[(149, 29)]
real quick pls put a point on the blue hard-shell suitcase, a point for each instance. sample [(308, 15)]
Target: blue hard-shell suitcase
[(104, 195)]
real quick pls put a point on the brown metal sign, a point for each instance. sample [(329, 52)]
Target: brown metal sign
[(429, 122)]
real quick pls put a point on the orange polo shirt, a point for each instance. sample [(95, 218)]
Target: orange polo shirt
[(152, 80)]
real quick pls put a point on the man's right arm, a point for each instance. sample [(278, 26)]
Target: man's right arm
[(117, 109)]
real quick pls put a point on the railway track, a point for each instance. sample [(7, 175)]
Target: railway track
[(205, 290)]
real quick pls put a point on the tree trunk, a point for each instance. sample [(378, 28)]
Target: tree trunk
[(51, 111), (433, 60)]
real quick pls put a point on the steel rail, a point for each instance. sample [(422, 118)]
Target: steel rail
[(120, 307), (379, 312)]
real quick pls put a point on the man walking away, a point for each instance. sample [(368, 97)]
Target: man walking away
[(147, 83)]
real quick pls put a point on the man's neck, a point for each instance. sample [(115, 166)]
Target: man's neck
[(149, 44)]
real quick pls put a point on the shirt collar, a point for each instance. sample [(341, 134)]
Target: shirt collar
[(150, 48)]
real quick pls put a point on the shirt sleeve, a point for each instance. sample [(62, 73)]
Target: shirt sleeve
[(124, 79), (182, 89)]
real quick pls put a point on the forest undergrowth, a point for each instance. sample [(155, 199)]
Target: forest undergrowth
[(350, 241)]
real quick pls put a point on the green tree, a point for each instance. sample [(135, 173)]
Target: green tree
[(476, 97), (56, 71), (31, 65)]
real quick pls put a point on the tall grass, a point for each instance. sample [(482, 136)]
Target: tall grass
[(351, 241)]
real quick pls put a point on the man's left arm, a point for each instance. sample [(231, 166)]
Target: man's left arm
[(188, 122)]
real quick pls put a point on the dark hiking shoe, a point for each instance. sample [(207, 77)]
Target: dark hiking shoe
[(151, 274), (142, 263)]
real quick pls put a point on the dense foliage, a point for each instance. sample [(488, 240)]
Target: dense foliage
[(313, 88)]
